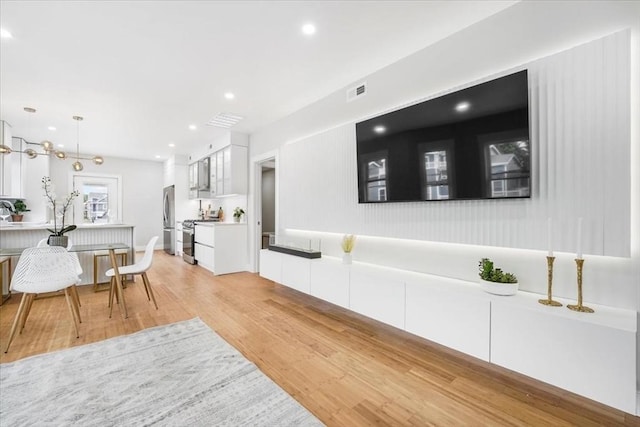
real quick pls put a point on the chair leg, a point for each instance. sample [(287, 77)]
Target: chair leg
[(147, 285), (27, 310), (73, 312), (112, 291), (75, 298), (95, 272), (14, 327)]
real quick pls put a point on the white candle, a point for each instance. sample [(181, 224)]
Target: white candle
[(549, 237), (579, 244)]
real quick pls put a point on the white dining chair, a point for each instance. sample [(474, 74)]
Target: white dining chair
[(74, 289), (141, 268), (40, 270)]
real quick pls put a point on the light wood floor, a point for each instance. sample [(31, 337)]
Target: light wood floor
[(345, 368)]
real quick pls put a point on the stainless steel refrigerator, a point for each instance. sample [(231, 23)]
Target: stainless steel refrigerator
[(169, 219)]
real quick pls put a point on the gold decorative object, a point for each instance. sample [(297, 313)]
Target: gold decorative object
[(579, 307), (549, 300)]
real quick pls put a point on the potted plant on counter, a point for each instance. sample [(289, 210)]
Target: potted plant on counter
[(495, 281), (57, 237), (237, 214), (19, 207)]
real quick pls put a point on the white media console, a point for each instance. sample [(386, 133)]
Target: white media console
[(593, 355)]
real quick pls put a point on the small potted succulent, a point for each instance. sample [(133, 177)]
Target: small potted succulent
[(495, 281), (237, 214), (19, 207)]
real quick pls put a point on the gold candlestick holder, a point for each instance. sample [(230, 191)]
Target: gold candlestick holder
[(579, 306), (549, 301)]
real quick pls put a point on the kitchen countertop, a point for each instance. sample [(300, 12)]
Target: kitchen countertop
[(12, 226), (213, 224)]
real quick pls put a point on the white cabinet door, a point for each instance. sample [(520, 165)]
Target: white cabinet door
[(205, 256), (449, 313), (205, 235), (213, 175), (296, 273), (220, 173), (271, 265), (330, 281), (376, 296), (193, 181)]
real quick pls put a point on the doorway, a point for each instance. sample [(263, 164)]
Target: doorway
[(265, 174)]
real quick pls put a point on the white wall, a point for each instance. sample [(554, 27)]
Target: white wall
[(522, 34), (142, 184)]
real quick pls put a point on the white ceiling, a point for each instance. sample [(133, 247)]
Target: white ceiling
[(140, 72)]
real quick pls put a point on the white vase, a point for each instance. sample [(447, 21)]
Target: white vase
[(496, 288), (346, 258)]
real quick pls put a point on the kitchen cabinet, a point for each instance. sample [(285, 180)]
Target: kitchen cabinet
[(10, 164), (221, 247), (228, 171), (193, 180), (203, 178), (179, 238)]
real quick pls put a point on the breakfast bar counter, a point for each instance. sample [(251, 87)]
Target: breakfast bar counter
[(29, 234)]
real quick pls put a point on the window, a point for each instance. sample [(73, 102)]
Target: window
[(508, 166), (376, 179), (436, 159), (99, 199)]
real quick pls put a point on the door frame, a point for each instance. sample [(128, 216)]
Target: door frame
[(255, 223)]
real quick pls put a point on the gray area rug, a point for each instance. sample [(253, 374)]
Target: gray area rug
[(181, 374)]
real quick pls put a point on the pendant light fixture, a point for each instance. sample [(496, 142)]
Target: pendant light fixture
[(77, 166), (48, 147)]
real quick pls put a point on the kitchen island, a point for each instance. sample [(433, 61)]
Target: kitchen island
[(23, 235)]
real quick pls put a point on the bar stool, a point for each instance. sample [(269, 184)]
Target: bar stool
[(122, 253)]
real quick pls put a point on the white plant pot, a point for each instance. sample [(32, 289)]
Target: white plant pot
[(495, 288), (346, 258)]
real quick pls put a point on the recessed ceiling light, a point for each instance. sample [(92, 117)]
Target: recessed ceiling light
[(308, 29), (229, 95), (461, 107), (172, 145), (193, 127), (157, 156), (379, 129), (60, 145), (5, 34), (51, 128)]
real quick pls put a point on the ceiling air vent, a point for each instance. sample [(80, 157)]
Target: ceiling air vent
[(356, 92), (225, 120)]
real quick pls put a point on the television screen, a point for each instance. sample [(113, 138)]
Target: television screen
[(469, 144)]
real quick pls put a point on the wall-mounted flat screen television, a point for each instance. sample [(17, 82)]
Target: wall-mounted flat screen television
[(468, 144)]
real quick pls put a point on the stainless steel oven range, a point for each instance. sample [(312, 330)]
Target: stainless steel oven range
[(188, 235)]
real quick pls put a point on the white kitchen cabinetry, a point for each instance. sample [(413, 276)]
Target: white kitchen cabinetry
[(228, 171), (591, 354), (193, 180), (179, 238), (10, 164), (221, 248)]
